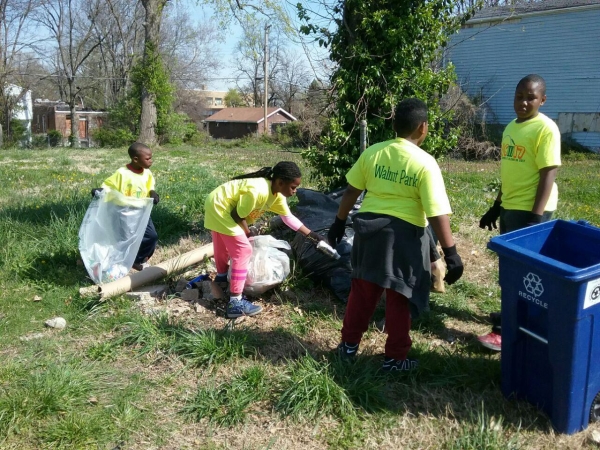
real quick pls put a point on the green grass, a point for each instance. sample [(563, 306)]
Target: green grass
[(115, 378), (310, 391), (227, 404)]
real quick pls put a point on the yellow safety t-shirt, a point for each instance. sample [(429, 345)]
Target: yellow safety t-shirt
[(250, 196), (402, 180), (528, 147), (131, 184)]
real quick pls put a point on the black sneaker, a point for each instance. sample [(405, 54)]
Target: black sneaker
[(399, 365), (346, 351)]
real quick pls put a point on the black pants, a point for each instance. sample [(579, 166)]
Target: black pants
[(434, 255), (148, 244), (513, 220)]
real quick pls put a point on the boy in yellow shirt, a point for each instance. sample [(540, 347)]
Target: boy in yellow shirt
[(530, 160), (136, 180), (404, 191)]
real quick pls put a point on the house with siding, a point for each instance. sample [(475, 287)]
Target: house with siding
[(234, 123), (557, 39)]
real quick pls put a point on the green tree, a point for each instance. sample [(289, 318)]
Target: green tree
[(233, 99), (385, 50)]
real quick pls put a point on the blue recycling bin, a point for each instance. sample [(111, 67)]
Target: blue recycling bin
[(550, 284)]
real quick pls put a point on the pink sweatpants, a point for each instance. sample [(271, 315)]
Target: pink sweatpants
[(239, 250)]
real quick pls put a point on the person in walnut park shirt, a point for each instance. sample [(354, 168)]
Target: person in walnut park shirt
[(404, 191)]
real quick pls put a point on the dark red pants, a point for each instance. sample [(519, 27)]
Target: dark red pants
[(362, 301)]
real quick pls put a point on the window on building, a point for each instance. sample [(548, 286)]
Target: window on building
[(218, 101)]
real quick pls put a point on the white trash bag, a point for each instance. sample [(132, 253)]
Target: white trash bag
[(268, 266), (111, 233)]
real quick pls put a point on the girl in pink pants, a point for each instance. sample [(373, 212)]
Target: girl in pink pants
[(231, 207)]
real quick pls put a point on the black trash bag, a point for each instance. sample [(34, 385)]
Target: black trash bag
[(335, 274), (316, 210)]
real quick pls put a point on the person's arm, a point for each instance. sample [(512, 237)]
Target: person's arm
[(240, 221), (154, 196), (441, 227), (454, 264), (338, 228), (488, 220), (544, 188), (348, 201)]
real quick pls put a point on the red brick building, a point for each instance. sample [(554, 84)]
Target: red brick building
[(50, 115)]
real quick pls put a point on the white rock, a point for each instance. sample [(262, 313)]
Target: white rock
[(58, 322), (595, 437)]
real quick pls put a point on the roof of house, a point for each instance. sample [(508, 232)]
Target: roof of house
[(246, 115), (545, 5)]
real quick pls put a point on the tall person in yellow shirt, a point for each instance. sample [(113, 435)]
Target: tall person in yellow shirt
[(530, 160), (404, 190)]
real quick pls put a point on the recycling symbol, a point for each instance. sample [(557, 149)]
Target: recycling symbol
[(533, 284), (595, 293)]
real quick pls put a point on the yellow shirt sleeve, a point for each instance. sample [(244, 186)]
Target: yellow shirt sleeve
[(548, 150), (280, 206), (114, 181)]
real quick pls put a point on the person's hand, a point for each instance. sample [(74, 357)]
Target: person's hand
[(253, 231), (315, 237), (336, 232), (454, 265), (154, 197), (490, 217), (534, 219), (95, 191)]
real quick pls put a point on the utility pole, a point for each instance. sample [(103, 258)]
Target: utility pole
[(266, 78)]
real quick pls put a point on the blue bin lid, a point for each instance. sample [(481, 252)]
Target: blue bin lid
[(566, 248)]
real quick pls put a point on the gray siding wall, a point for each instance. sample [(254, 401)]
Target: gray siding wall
[(563, 47)]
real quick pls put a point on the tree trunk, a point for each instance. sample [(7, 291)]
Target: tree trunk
[(74, 137), (151, 35)]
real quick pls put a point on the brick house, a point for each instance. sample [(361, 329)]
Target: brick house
[(51, 115), (234, 123)]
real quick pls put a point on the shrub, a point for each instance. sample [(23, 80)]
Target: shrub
[(478, 139), (113, 137), (40, 141), (178, 128), (55, 138)]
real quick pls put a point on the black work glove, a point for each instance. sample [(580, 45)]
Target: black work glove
[(336, 232), (490, 217), (534, 219), (94, 190), (154, 197), (315, 237), (454, 265)]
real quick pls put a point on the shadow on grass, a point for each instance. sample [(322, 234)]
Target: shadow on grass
[(447, 384)]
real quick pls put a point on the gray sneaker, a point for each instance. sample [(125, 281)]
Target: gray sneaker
[(242, 307)]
